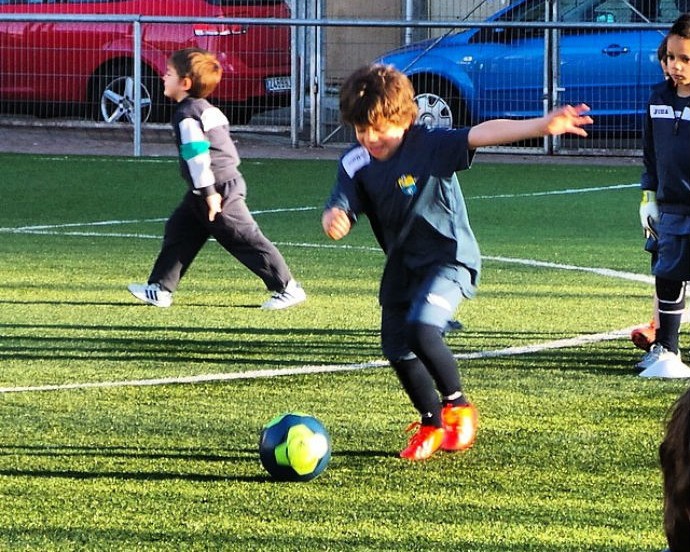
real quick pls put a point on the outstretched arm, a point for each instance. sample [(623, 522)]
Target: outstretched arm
[(567, 119)]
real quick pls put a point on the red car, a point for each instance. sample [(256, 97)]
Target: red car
[(52, 68)]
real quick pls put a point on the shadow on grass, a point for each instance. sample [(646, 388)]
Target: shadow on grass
[(63, 454), (285, 347), (267, 346), (132, 476), (128, 304), (122, 452)]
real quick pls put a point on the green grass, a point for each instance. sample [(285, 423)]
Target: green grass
[(566, 458)]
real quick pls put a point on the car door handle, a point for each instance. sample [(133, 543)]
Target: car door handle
[(615, 50)]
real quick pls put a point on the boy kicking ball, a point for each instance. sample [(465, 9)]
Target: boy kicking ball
[(214, 205), (402, 176)]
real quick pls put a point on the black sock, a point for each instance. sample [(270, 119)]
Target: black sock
[(671, 296), (419, 386)]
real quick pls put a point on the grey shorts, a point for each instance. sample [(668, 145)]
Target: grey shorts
[(434, 303)]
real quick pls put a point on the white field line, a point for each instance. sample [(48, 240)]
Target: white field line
[(561, 192), (47, 228), (607, 272), (320, 369), (44, 227)]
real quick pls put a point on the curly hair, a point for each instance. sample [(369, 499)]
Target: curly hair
[(674, 454), (377, 93)]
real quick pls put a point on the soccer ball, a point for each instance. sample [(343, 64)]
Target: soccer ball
[(294, 447)]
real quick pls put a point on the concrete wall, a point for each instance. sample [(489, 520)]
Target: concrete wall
[(349, 48)]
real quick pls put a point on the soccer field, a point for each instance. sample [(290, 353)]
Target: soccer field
[(127, 427)]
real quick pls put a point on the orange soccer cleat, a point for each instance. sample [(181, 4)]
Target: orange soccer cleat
[(460, 423), (425, 441), (644, 336)]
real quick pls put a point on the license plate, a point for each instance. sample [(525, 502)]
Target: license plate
[(278, 84)]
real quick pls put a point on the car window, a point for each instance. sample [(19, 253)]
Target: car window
[(600, 11), (527, 12), (610, 11)]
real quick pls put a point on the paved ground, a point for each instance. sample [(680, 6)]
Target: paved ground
[(104, 140), (51, 139)]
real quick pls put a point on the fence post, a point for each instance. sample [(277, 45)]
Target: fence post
[(136, 28), (295, 95), (551, 71), (314, 46)]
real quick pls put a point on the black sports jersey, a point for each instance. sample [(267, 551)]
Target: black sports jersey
[(667, 149), (439, 234)]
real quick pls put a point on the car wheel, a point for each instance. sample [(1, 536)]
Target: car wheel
[(117, 101), (114, 96), (439, 106), (434, 112)]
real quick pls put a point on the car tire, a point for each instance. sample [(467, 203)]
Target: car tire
[(439, 105), (112, 97)]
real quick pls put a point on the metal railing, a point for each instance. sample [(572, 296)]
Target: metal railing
[(311, 116)]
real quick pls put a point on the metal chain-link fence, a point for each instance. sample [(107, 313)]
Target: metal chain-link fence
[(99, 63)]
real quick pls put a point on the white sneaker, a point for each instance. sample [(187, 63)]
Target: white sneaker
[(293, 294), (151, 294), (656, 353)]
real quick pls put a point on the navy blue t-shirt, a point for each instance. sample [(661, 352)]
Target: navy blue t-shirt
[(666, 147), (440, 234)]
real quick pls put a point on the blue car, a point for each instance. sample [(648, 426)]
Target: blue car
[(490, 72)]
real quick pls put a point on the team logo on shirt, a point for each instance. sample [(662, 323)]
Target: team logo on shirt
[(661, 112), (408, 184)]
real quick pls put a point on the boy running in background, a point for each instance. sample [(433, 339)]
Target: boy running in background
[(402, 177), (214, 205)]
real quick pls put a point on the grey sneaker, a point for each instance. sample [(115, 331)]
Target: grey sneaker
[(656, 353), (151, 294), (293, 294)]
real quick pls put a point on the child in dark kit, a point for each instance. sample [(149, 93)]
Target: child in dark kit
[(214, 205), (665, 206), (402, 177), (644, 336)]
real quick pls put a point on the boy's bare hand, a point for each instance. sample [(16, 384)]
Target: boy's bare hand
[(214, 205), (568, 119), (335, 223)]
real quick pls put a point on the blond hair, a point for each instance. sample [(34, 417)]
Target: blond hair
[(201, 67)]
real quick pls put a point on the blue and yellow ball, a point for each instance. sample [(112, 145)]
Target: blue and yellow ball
[(294, 447)]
